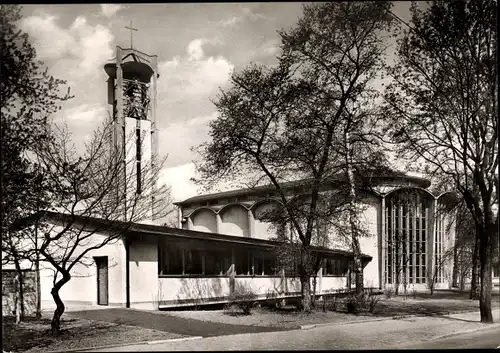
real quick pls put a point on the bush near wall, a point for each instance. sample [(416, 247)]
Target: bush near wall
[(8, 292)]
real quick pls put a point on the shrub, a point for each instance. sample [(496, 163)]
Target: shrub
[(356, 303), (362, 302), (389, 292), (243, 300), (372, 302)]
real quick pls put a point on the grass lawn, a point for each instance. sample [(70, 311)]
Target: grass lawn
[(287, 317), (34, 335), (441, 302)]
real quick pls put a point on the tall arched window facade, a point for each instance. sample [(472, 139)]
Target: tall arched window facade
[(407, 223)]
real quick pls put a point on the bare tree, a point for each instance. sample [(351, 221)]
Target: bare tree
[(443, 111), (101, 184), (28, 96), (304, 119)]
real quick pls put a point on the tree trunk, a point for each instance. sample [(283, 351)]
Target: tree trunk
[(313, 299), (454, 276), (475, 258), (305, 277), (19, 291), (306, 293), (17, 302), (356, 249), (38, 313), (462, 282), (485, 257), (56, 318)]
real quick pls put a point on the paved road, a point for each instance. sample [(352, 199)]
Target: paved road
[(167, 323), (487, 338), (368, 335)]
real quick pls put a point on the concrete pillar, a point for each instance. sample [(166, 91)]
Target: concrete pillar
[(190, 225), (320, 279), (383, 246), (183, 262), (283, 286), (218, 223), (431, 237), (232, 273), (179, 216), (251, 224)]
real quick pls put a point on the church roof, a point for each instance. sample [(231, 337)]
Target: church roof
[(387, 177)]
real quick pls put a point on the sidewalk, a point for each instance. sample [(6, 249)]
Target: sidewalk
[(366, 335)]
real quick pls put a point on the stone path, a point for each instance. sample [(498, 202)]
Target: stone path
[(168, 323)]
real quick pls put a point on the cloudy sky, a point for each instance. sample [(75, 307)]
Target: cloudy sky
[(198, 45)]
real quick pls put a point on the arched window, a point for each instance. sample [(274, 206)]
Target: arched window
[(406, 219)]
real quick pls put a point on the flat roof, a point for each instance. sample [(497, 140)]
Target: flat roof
[(421, 182), (98, 224)]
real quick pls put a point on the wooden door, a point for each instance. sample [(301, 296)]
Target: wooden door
[(102, 280)]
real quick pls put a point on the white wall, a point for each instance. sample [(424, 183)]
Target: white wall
[(370, 218), (234, 221), (82, 288), (143, 272), (204, 220), (329, 284), (263, 230), (172, 289)]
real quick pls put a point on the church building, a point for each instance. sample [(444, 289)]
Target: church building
[(222, 245)]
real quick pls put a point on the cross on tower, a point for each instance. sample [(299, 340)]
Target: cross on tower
[(131, 36)]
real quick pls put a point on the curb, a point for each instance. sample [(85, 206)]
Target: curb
[(307, 327), (173, 340), (487, 326), (129, 344), (398, 317)]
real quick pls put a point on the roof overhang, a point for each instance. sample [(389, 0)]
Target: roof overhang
[(134, 230)]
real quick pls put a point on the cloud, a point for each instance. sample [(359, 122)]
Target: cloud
[(230, 22), (203, 119), (179, 179), (247, 13), (77, 51), (82, 120), (195, 49), (85, 113), (177, 139), (109, 10), (193, 76), (268, 48)]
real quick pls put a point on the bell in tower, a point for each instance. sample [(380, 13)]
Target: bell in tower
[(132, 82)]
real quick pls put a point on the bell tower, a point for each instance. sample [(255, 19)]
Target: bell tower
[(132, 93)]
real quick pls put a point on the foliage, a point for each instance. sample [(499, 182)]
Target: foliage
[(243, 299), (389, 292), (443, 113), (309, 118), (356, 303), (29, 95)]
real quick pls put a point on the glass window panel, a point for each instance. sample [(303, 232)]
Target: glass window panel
[(171, 260), (242, 265), (217, 262), (193, 260)]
